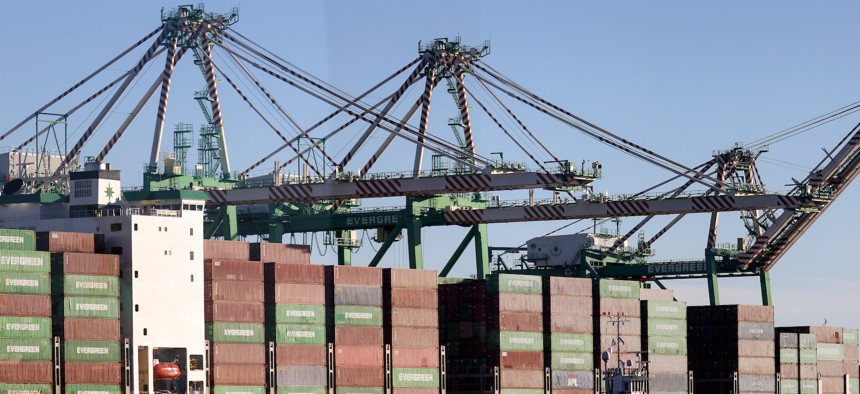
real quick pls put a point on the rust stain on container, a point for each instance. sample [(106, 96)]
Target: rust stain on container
[(26, 371), (25, 305), (85, 264), (367, 356), (238, 353), (233, 290), (234, 312), (226, 250), (89, 329), (518, 360), (280, 253), (239, 375), (217, 269), (300, 355), (97, 373)]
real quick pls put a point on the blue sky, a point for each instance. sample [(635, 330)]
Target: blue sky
[(681, 78)]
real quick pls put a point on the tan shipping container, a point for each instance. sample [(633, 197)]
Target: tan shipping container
[(225, 250), (291, 293), (574, 305), (520, 379), (415, 317), (413, 298), (279, 253), (627, 307), (573, 324), (239, 375), (366, 356), (238, 353), (557, 285), (301, 355), (234, 312), (233, 290), (360, 276), (414, 337), (295, 273), (411, 357), (410, 279), (509, 302), (756, 348), (218, 269), (656, 295)]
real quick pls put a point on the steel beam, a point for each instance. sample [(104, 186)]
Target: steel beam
[(459, 251)]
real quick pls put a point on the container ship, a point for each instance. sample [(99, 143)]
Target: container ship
[(105, 289)]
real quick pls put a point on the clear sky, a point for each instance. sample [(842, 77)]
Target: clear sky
[(681, 78)]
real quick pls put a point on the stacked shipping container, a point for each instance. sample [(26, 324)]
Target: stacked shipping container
[(411, 328), (614, 299), (355, 328), (463, 309), (233, 301), (25, 315), (797, 362), (568, 334), (724, 340), (296, 323), (664, 337), (85, 288), (836, 357)]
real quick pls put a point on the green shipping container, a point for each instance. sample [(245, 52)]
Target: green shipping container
[(91, 307), (359, 390), (300, 334), (415, 377), (300, 314), (92, 389), (789, 386), (24, 261), (559, 342), (235, 332), (17, 239), (849, 337), (667, 345), (789, 356), (369, 316), (810, 386), (86, 285), (664, 310), (854, 385), (238, 390), (302, 390), (25, 283), (666, 328), (831, 352), (92, 351), (14, 349), (25, 327), (10, 388), (808, 356), (519, 284), (521, 341), (617, 289), (562, 361)]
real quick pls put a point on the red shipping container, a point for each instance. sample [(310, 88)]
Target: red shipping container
[(234, 312), (26, 372), (85, 264), (59, 241), (516, 321), (517, 360), (410, 278), (358, 336), (280, 253), (96, 373), (233, 270), (290, 293), (233, 290), (367, 356), (25, 305), (349, 275), (238, 353), (413, 298), (558, 285), (293, 273), (239, 375), (89, 329), (414, 317), (301, 355), (358, 377), (410, 357), (227, 250), (414, 337)]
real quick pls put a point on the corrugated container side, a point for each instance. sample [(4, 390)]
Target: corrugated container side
[(414, 317), (92, 389), (359, 390), (87, 329), (59, 241), (410, 357), (222, 389), (91, 351), (666, 345), (756, 348), (85, 264), (565, 381), (562, 342), (25, 327), (241, 375), (757, 383), (299, 314), (518, 341), (656, 294), (235, 332), (85, 286), (11, 239), (24, 261), (414, 337), (849, 336), (238, 353), (357, 295), (357, 316), (29, 349), (664, 327), (226, 250), (512, 378), (358, 377), (358, 336), (26, 371), (301, 376), (607, 328), (787, 339), (409, 278), (830, 352), (509, 302), (658, 363), (415, 377), (234, 312), (575, 305), (664, 310), (518, 284), (626, 307), (291, 293), (301, 355), (99, 373), (570, 323), (28, 388), (516, 321), (412, 298), (369, 356), (301, 390), (301, 334), (280, 253), (350, 275), (607, 288), (294, 273), (568, 361), (25, 283), (557, 285), (233, 290), (222, 269)]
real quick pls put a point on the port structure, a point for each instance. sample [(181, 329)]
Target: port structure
[(325, 195)]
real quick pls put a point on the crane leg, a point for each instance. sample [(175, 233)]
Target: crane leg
[(713, 287), (482, 252), (764, 279), (458, 252), (413, 233), (229, 226), (392, 236)]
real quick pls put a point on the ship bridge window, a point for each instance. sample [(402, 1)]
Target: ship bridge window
[(116, 227)]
